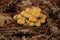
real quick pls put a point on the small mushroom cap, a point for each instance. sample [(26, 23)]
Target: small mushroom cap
[(43, 19), (36, 9), (36, 14), (25, 14), (38, 23), (33, 19), (15, 17), (21, 21), (29, 10), (30, 23), (19, 16)]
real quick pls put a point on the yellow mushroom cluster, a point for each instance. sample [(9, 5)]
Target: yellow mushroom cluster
[(31, 16)]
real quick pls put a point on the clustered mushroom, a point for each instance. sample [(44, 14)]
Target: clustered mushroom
[(31, 16)]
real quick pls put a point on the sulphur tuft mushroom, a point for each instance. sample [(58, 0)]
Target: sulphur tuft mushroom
[(31, 16)]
